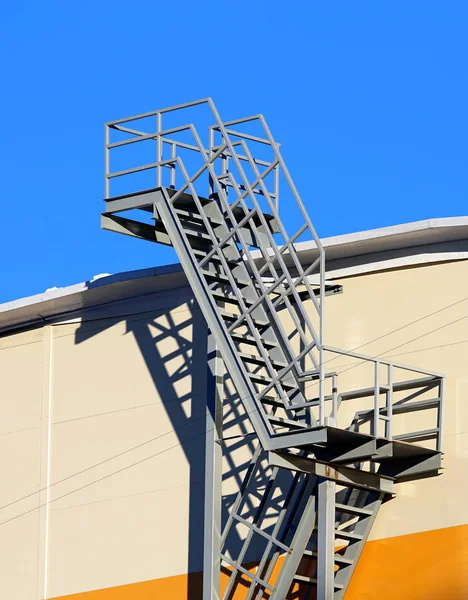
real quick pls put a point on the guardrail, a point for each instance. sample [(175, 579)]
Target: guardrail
[(391, 392)]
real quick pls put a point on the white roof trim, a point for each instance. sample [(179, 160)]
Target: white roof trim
[(349, 254)]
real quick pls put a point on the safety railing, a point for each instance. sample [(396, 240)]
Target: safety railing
[(394, 389), (246, 171)]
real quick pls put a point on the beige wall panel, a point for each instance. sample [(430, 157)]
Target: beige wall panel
[(128, 487), (126, 364), (18, 558), (19, 514), (433, 503), (127, 490), (20, 468), (125, 540), (20, 381), (420, 316), (391, 306), (106, 447)]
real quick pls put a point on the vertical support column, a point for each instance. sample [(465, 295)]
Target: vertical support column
[(326, 539), (213, 474)]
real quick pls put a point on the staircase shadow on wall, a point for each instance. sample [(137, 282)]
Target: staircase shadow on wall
[(187, 359)]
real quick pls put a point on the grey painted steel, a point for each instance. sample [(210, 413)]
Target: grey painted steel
[(342, 475), (241, 296), (213, 474), (270, 556), (227, 152), (243, 386), (353, 552), (326, 539), (298, 546)]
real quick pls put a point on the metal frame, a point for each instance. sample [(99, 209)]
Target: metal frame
[(214, 197), (213, 473)]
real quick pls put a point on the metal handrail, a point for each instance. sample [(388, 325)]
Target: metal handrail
[(376, 414)]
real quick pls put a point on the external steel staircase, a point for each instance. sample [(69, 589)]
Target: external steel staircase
[(217, 202)]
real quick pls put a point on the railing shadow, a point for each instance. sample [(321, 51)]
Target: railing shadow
[(181, 340), (186, 410)]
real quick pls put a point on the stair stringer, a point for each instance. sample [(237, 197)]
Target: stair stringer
[(211, 313)]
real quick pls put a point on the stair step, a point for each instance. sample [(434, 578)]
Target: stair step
[(353, 510), (287, 422), (216, 259), (201, 235), (348, 535), (344, 535), (189, 217), (224, 297), (267, 381), (246, 338), (258, 360), (273, 401), (186, 200), (313, 581), (233, 317), (338, 559), (239, 213), (224, 278)]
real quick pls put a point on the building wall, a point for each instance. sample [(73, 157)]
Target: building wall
[(109, 413), (418, 546)]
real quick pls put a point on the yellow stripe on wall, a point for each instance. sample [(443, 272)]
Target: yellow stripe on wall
[(432, 565)]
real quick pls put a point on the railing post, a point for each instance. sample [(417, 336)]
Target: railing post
[(440, 413), (159, 149), (173, 167), (389, 423), (224, 169), (211, 149), (106, 162), (276, 186), (334, 399), (376, 397), (321, 389)]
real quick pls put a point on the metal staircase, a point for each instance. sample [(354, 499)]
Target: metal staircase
[(295, 540), (217, 202)]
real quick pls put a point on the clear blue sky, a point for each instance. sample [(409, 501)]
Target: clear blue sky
[(369, 100)]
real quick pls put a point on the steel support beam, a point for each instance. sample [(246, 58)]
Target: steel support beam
[(133, 228), (342, 475), (326, 539), (213, 474)]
